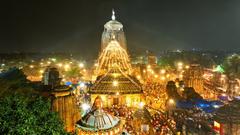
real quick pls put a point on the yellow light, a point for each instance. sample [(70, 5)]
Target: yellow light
[(187, 67), (180, 64), (171, 101), (156, 76), (81, 65), (162, 78), (148, 66), (115, 83), (49, 62), (60, 64), (117, 93), (31, 66), (163, 71), (138, 77), (85, 106), (41, 71), (141, 104), (66, 66)]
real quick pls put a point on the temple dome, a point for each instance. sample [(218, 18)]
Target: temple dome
[(97, 119), (113, 25)]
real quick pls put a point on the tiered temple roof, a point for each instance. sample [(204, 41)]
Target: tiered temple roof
[(126, 84)]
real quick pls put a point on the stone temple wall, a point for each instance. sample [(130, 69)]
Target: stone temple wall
[(67, 110)]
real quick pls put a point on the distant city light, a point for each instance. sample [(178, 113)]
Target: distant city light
[(81, 65), (163, 71), (31, 66)]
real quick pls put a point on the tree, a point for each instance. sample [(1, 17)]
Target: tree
[(73, 73), (14, 76), (14, 81), (232, 66), (21, 115)]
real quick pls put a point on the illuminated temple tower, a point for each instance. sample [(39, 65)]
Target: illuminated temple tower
[(113, 48), (114, 83)]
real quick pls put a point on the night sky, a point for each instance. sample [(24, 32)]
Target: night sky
[(76, 26)]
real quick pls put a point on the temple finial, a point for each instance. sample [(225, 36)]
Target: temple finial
[(113, 15)]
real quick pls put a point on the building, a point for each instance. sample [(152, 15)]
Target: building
[(113, 28), (98, 122), (151, 59), (51, 77), (114, 82), (117, 88), (193, 77), (64, 103), (63, 100)]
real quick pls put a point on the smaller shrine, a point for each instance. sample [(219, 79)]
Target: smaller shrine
[(98, 122)]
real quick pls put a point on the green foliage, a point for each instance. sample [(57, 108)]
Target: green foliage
[(14, 81), (73, 73), (231, 65), (21, 115)]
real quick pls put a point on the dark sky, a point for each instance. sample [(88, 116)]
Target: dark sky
[(76, 26)]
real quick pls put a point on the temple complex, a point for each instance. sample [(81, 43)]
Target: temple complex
[(114, 82)]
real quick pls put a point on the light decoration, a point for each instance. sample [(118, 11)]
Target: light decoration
[(82, 85), (66, 67), (141, 104), (54, 59), (171, 101), (180, 64), (31, 66), (81, 65), (219, 69), (115, 83), (60, 64), (163, 71), (85, 106), (114, 56)]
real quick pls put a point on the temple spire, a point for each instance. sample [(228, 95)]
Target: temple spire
[(113, 15)]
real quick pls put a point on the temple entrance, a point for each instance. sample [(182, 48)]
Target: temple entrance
[(115, 101)]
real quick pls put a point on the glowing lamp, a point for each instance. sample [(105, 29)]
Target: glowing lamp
[(85, 106)]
